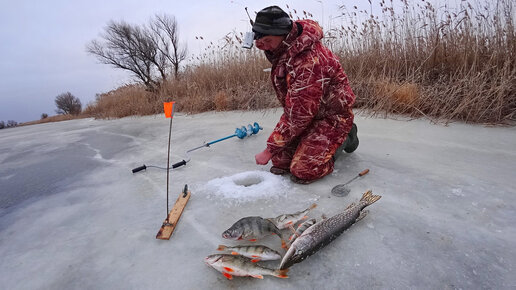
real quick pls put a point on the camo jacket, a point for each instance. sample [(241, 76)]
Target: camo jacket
[(311, 86)]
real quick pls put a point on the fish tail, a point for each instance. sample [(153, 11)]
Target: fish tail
[(221, 248), (368, 198), (281, 273)]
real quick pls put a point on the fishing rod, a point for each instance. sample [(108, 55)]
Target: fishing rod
[(241, 133)]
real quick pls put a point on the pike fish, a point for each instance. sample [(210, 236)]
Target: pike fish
[(286, 220), (230, 265), (251, 229), (256, 253), (324, 232), (300, 229)]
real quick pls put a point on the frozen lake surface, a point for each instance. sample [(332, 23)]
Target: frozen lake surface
[(74, 216)]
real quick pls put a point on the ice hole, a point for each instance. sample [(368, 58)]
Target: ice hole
[(248, 180), (247, 186)]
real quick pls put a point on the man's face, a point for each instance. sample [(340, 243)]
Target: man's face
[(269, 42)]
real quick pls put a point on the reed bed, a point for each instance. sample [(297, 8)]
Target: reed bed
[(229, 79), (402, 57)]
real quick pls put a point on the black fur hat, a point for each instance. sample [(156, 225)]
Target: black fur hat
[(271, 21)]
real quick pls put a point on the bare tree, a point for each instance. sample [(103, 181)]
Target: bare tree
[(166, 38), (150, 52), (67, 103)]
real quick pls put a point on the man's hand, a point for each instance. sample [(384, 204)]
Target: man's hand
[(263, 157)]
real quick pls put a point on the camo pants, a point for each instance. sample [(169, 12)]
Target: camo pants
[(309, 157)]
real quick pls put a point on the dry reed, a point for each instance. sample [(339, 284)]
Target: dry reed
[(56, 118), (125, 101), (462, 61), (410, 58)]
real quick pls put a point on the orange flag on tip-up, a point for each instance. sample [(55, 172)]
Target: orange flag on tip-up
[(168, 107)]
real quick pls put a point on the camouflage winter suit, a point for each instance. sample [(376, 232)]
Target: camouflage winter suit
[(316, 99)]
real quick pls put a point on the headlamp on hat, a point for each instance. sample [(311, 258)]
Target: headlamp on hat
[(271, 20)]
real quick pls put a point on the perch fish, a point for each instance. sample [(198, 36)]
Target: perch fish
[(300, 229), (286, 220), (256, 253), (251, 229), (230, 265)]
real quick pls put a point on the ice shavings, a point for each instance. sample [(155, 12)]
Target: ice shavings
[(247, 186), (458, 192)]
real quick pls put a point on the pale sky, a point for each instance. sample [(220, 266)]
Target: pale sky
[(43, 43)]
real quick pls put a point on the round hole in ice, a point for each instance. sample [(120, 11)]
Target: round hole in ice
[(247, 186), (247, 180)]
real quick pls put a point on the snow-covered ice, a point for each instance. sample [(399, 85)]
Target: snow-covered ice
[(74, 216)]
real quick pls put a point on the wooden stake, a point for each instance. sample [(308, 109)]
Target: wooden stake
[(170, 222)]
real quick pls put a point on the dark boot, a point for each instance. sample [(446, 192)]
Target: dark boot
[(352, 140), (298, 180), (350, 144), (278, 171)]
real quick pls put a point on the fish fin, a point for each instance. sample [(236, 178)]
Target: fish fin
[(228, 269), (235, 253), (281, 273), (252, 240), (227, 275), (221, 248), (304, 218), (255, 256), (369, 198), (362, 215), (255, 260), (257, 276), (283, 244), (313, 206)]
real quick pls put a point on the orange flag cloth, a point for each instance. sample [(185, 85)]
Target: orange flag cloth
[(168, 107)]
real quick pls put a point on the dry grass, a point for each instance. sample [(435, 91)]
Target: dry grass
[(125, 101), (56, 118), (231, 81), (460, 64), (442, 63)]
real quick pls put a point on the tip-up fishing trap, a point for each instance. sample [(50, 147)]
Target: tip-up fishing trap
[(172, 217)]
